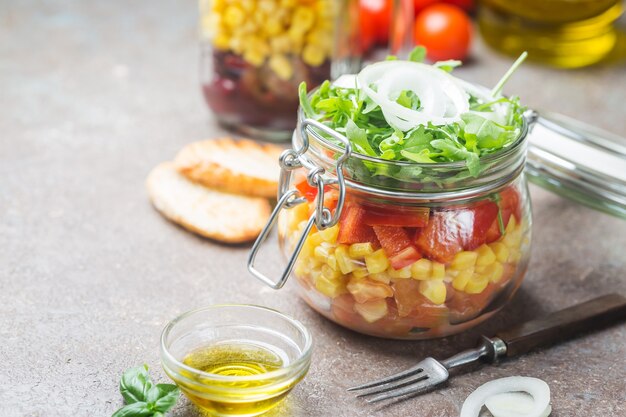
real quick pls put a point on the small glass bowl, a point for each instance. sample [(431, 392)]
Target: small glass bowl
[(229, 395)]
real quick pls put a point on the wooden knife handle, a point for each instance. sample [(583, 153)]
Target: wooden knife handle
[(564, 324)]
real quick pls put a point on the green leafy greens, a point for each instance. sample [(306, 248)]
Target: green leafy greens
[(488, 127), (144, 398)]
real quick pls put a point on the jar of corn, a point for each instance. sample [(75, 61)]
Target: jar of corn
[(255, 53)]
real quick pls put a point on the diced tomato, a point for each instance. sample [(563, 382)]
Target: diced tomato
[(395, 216), (352, 228), (440, 239), (465, 307), (397, 245), (483, 215), (509, 204)]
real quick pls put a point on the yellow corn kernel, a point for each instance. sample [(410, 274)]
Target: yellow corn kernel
[(313, 55), (303, 18), (384, 278), (331, 261), (372, 310), (360, 272), (494, 272), (298, 214), (273, 27), (377, 262), (281, 66), (476, 284), (434, 290), (345, 263), (515, 256), (513, 239), (328, 235), (330, 273), (254, 57), (321, 253), (485, 256), (234, 16), (511, 225), (399, 273), (421, 269), (360, 250), (500, 250), (464, 260), (439, 271), (280, 45), (330, 288), (221, 41), (462, 278), (314, 239), (301, 268)]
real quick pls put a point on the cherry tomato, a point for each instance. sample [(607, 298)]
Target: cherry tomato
[(419, 5), (375, 16), (445, 31)]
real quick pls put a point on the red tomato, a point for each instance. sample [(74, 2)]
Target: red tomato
[(397, 245), (396, 216), (465, 307), (307, 191), (440, 239), (483, 215), (375, 16), (445, 31), (509, 204), (352, 228)]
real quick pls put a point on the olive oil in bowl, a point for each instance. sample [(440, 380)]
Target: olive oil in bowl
[(235, 360)]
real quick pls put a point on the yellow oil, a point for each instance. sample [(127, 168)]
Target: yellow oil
[(561, 33), (235, 398)]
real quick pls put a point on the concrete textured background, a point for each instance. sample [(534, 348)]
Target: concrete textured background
[(92, 95)]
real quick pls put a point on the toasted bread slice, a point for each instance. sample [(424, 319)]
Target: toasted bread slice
[(211, 213), (239, 166)]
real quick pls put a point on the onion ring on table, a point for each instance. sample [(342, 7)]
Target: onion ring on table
[(538, 389)]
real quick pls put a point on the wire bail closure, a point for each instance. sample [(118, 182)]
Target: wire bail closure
[(322, 218)]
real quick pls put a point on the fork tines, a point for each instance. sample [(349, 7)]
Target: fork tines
[(421, 377)]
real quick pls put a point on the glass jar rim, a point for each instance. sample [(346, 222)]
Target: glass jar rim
[(508, 162), (298, 364)]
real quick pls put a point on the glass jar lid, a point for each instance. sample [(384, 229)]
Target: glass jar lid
[(579, 162)]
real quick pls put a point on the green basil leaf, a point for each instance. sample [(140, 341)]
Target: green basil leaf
[(136, 409), (135, 384), (169, 396), (418, 54)]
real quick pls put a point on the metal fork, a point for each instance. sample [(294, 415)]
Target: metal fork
[(555, 327)]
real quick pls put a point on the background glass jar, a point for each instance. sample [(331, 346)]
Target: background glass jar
[(562, 33), (255, 53), (425, 250)]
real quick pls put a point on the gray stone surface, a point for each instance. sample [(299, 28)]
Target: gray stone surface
[(92, 95)]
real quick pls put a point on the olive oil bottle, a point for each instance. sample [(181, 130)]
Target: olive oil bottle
[(251, 393), (561, 33)]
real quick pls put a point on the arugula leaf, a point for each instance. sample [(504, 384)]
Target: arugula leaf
[(358, 137), (418, 54), (304, 100), (486, 133), (455, 152), (142, 397), (448, 65)]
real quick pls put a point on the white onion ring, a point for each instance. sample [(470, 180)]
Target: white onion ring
[(538, 389), (512, 404), (346, 81), (442, 99)]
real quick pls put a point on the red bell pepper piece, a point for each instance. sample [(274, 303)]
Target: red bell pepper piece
[(352, 228), (395, 216)]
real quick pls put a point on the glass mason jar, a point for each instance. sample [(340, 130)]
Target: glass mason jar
[(423, 251), (255, 53)]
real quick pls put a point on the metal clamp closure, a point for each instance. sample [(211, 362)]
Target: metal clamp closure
[(323, 218)]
